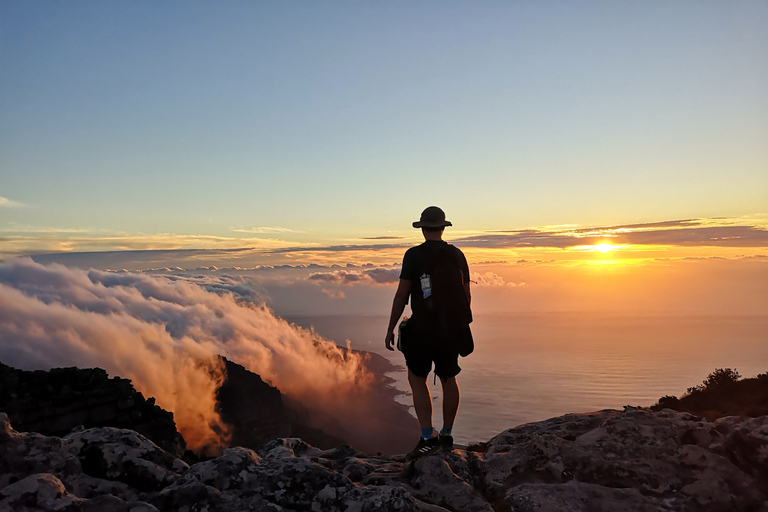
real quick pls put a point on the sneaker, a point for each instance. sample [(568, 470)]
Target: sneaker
[(424, 448), (446, 442)]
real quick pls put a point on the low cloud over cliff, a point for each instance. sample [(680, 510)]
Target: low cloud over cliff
[(161, 332)]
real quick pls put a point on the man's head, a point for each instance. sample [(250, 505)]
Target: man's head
[(432, 219), (432, 223)]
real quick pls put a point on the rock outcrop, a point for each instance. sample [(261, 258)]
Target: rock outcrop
[(256, 412), (631, 460), (56, 401), (723, 393)]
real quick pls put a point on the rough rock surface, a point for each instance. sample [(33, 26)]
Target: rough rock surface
[(56, 401), (631, 460)]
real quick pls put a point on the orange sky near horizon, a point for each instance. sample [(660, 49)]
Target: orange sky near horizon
[(696, 238), (695, 266)]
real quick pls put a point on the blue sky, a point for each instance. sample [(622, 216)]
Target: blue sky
[(327, 122)]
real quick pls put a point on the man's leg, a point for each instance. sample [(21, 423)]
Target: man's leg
[(451, 397), (422, 400)]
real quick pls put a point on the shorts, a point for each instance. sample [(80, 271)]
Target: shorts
[(425, 348)]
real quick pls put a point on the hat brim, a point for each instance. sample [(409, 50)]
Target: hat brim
[(426, 224)]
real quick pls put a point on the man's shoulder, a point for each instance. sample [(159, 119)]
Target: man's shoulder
[(461, 260), (415, 248), (431, 249), (413, 251), (458, 252), (452, 249), (412, 261)]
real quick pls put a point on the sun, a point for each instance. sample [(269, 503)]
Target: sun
[(604, 248)]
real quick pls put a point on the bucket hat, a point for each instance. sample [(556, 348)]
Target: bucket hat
[(432, 217)]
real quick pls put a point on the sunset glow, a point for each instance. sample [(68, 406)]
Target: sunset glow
[(604, 248)]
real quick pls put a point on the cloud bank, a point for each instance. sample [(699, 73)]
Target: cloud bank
[(161, 332), (376, 275), (492, 279)]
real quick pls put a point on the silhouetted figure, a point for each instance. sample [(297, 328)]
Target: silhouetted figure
[(431, 273)]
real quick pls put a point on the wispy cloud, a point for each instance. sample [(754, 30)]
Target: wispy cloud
[(9, 203), (382, 238), (148, 255), (20, 241), (493, 279), (383, 275), (692, 232), (341, 248), (576, 229), (265, 230), (346, 277)]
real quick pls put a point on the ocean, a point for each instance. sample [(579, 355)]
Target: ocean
[(530, 367)]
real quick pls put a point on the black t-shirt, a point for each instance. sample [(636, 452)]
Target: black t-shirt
[(415, 262)]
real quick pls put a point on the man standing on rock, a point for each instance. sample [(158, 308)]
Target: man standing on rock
[(435, 276)]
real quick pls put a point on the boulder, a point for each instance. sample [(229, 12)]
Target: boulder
[(124, 456), (43, 492), (627, 460)]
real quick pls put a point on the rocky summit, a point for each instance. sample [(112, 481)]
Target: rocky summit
[(633, 460)]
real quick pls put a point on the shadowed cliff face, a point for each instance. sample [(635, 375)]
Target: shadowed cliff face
[(619, 461), (256, 412), (252, 412)]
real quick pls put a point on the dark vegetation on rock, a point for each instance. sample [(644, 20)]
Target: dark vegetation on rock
[(722, 393), (56, 401)]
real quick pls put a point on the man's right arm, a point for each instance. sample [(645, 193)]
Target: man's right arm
[(398, 306)]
